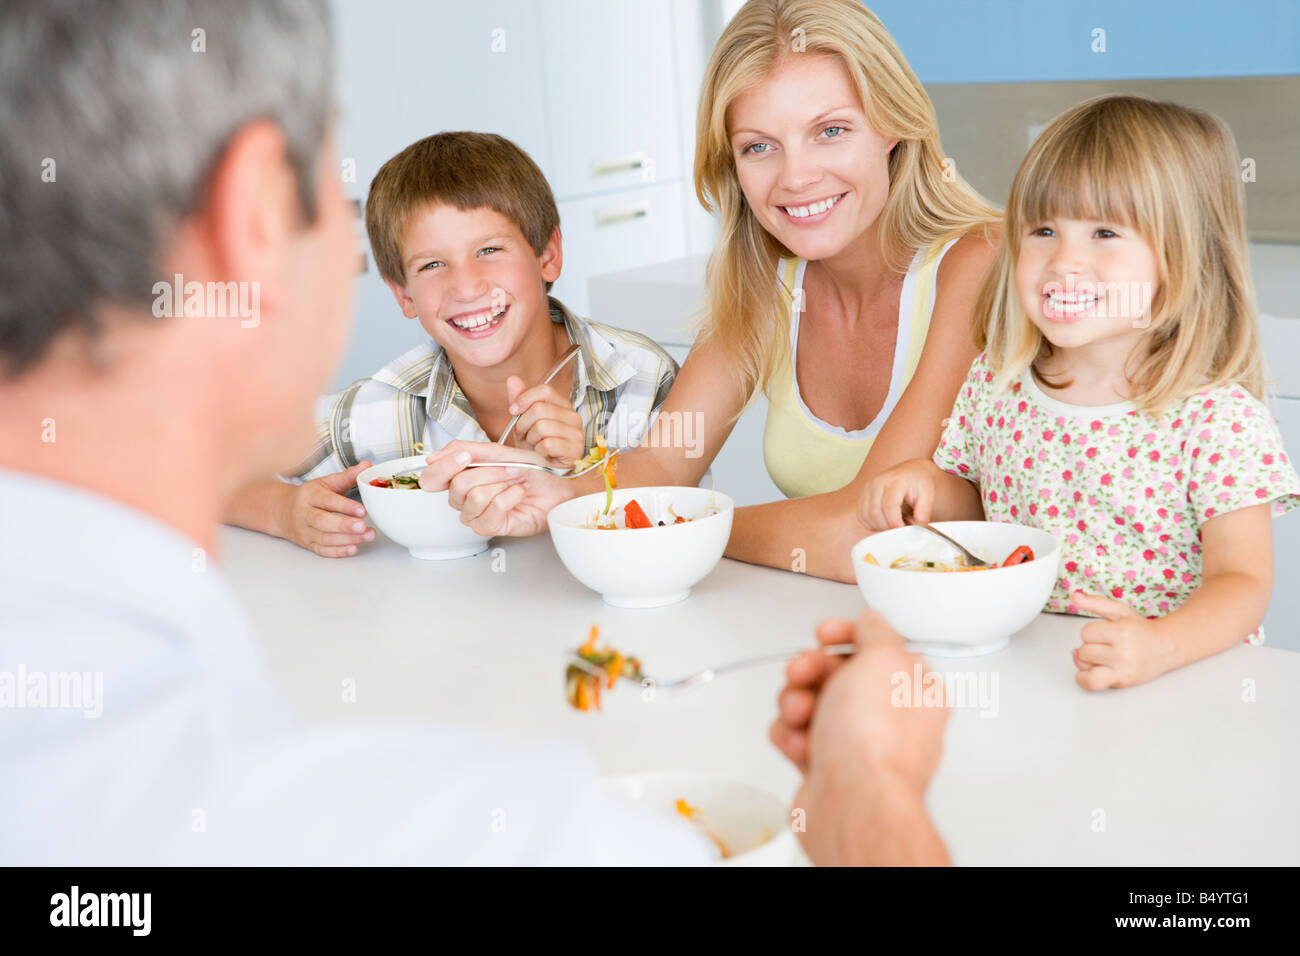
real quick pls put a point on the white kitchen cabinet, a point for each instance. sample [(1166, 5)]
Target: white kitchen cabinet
[(411, 68), (617, 231), (611, 89)]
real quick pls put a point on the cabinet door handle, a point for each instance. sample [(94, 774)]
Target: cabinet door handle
[(607, 217), (622, 164)]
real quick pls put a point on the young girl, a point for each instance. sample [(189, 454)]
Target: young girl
[(1118, 402)]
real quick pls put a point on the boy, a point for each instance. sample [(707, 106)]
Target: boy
[(465, 232)]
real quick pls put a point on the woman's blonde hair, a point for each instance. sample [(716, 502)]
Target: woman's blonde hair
[(1171, 174), (746, 310)]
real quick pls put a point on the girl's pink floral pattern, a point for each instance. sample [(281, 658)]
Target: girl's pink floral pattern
[(1125, 492)]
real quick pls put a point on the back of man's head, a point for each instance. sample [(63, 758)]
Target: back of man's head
[(114, 114)]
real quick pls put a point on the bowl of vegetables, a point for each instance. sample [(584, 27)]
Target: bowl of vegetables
[(922, 586), (642, 547), (421, 521), (737, 823)]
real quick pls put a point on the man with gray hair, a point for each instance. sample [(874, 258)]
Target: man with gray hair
[(154, 152)]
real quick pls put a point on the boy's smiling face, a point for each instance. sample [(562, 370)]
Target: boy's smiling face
[(475, 283)]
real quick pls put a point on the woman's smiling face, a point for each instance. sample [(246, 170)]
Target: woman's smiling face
[(811, 167)]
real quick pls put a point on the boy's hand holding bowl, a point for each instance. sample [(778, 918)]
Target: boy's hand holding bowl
[(319, 517)]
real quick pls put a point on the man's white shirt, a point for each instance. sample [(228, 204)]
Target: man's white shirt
[(192, 757)]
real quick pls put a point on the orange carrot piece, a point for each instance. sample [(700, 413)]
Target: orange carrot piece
[(636, 518), (1021, 555)]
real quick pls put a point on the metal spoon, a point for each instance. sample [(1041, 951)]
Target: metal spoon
[(710, 674), (971, 559), (558, 472)]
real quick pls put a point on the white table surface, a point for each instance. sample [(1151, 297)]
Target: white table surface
[(1180, 771)]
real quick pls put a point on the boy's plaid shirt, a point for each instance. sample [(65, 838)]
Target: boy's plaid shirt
[(620, 380)]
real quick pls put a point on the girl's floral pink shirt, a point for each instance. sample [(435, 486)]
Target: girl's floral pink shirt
[(1125, 492)]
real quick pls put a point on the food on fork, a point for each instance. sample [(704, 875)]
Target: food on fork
[(608, 460), (582, 687)]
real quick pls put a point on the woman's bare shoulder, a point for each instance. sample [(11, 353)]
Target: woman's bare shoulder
[(971, 255)]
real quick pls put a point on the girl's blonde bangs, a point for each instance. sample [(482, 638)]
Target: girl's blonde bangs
[(1081, 173)]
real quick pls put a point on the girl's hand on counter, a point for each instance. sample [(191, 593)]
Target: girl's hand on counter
[(1123, 649)]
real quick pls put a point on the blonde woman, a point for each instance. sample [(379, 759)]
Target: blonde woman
[(1118, 403), (842, 285)]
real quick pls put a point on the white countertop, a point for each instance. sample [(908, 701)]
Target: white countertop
[(1177, 772), (659, 300)]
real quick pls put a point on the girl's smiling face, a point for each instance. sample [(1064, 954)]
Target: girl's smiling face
[(474, 282), (811, 167), (1084, 281)]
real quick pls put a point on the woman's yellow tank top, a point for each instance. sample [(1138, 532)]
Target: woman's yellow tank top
[(807, 456)]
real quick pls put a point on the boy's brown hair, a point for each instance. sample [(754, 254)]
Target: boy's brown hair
[(461, 169)]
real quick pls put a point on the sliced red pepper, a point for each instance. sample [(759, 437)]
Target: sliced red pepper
[(636, 518), (379, 482), (1019, 556)]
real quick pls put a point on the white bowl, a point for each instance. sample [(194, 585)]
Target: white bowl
[(752, 823), (958, 614), (643, 567), (421, 521)]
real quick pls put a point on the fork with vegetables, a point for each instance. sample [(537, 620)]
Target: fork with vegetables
[(590, 667)]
